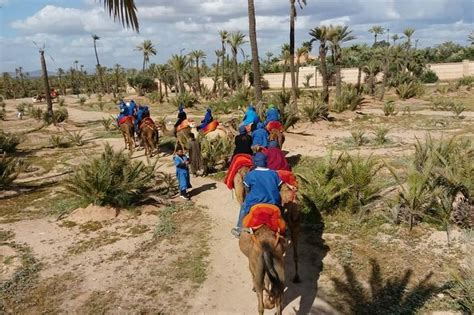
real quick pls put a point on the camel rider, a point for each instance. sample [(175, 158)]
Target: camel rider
[(263, 186), (243, 142), (181, 117), (123, 111), (251, 116), (142, 113), (207, 119), (272, 114), (259, 137), (132, 108)]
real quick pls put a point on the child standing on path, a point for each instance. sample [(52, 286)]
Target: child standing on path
[(181, 161)]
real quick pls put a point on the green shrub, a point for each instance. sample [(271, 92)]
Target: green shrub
[(215, 153), (314, 112), (75, 137), (8, 142), (186, 99), (389, 108), (429, 76), (466, 81), (463, 287), (82, 100), (441, 103), (9, 169), (358, 137), (155, 97), (101, 105), (112, 179), (107, 123), (381, 135), (142, 83), (457, 109), (282, 101), (59, 115), (349, 99), (409, 90), (37, 113), (57, 141), (22, 107)]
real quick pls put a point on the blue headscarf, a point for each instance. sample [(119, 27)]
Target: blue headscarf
[(260, 125), (259, 160), (242, 130), (273, 144)]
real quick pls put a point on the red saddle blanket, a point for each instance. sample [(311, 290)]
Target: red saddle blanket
[(267, 214), (238, 161), (274, 125), (146, 121), (125, 119), (288, 177), (183, 125), (210, 127)]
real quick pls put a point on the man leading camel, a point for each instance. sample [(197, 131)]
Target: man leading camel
[(263, 186)]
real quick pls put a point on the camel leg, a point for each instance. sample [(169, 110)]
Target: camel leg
[(294, 223), (258, 282)]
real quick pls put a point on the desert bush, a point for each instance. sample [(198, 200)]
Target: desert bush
[(9, 169), (466, 81), (215, 153), (307, 78), (75, 137), (462, 289), (142, 83), (389, 108), (155, 97), (349, 99), (166, 225), (240, 99), (57, 141), (186, 99), (59, 115), (429, 76), (441, 103), (381, 135), (112, 179), (457, 109), (314, 112), (82, 100), (37, 113), (101, 105), (358, 137), (3, 114), (409, 90), (282, 101), (8, 142), (22, 107), (107, 123)]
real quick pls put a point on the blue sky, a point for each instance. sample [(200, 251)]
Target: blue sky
[(65, 26)]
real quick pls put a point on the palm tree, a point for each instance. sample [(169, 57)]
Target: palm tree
[(198, 55), (395, 37), (124, 11), (376, 30), (292, 47), (253, 44), (322, 35), (285, 56), (178, 63), (61, 83), (219, 54), (300, 52), (224, 36), (408, 32), (235, 40), (95, 38), (371, 69), (19, 72), (147, 49), (338, 36)]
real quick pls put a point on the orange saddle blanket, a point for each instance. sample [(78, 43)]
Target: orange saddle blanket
[(183, 125), (210, 127), (274, 125), (267, 214), (147, 121), (238, 161), (288, 177), (125, 119)]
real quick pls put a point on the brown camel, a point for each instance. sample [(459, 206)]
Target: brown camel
[(182, 136), (127, 131), (149, 135), (277, 135), (264, 250), (239, 188)]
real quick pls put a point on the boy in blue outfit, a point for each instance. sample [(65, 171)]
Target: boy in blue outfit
[(272, 114), (181, 161)]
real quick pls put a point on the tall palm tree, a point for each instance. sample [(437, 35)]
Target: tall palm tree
[(198, 55), (322, 35), (95, 38), (395, 37), (179, 63), (124, 11), (253, 44), (292, 48), (224, 36), (61, 83), (300, 53), (376, 30), (147, 49), (408, 32), (235, 40), (216, 72), (19, 72), (285, 56), (338, 36)]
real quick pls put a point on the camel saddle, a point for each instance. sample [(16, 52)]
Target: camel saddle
[(289, 178), (265, 214), (148, 122), (210, 127), (272, 125), (185, 124), (238, 161), (125, 119)]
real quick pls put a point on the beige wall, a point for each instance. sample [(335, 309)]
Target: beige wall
[(444, 71)]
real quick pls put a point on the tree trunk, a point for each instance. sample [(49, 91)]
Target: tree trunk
[(324, 73), (144, 62), (161, 91), (236, 70), (298, 72), (216, 78), (359, 79), (338, 81), (284, 76), (198, 76), (385, 79), (292, 55), (253, 45), (221, 88), (47, 89)]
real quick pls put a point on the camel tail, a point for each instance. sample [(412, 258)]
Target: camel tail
[(277, 284)]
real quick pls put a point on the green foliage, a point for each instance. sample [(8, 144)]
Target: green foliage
[(57, 141), (240, 99), (166, 226), (466, 81), (59, 115), (358, 137), (101, 105), (215, 153), (8, 142), (349, 99), (155, 97), (22, 107), (314, 112), (381, 135), (142, 83), (75, 137), (389, 108), (409, 90), (107, 123), (112, 179), (82, 100), (36, 113), (442, 103), (457, 109), (186, 99), (282, 101), (429, 76), (463, 287), (9, 170)]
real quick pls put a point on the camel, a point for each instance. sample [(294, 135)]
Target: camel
[(264, 250), (127, 131), (220, 132), (277, 135), (149, 136), (182, 136), (291, 211)]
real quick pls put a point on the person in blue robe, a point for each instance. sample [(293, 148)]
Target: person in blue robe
[(181, 161), (207, 119), (272, 114), (260, 136)]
